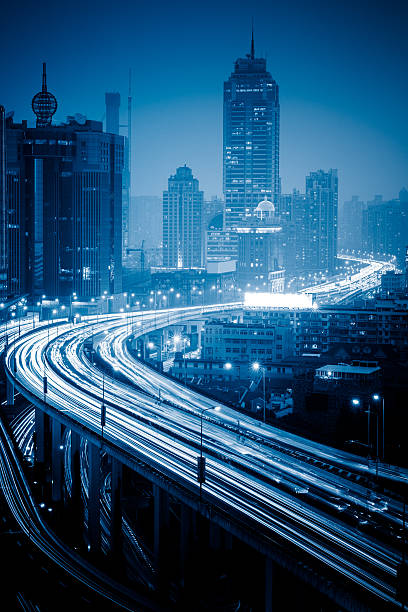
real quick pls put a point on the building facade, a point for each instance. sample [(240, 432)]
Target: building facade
[(183, 244), (259, 265), (321, 221), (246, 342), (64, 199), (251, 138), (3, 216)]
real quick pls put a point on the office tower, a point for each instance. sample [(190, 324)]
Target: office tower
[(3, 217), (213, 213), (385, 228), (259, 265), (251, 138), (65, 207), (112, 104), (351, 224), (321, 221), (182, 221), (17, 209)]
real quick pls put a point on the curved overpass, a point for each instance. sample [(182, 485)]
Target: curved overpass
[(255, 473)]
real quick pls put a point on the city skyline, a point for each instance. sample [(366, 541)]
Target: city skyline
[(345, 111)]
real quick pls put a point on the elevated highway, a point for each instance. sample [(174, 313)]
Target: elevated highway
[(283, 493)]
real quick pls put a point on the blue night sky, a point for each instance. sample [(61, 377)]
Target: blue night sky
[(341, 67)]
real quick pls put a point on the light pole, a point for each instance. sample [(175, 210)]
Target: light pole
[(201, 459), (256, 367), (377, 398)]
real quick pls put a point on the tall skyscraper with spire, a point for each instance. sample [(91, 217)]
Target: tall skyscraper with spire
[(251, 138)]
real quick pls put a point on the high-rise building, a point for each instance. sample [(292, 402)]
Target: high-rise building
[(3, 216), (17, 210), (64, 201), (259, 265), (251, 138), (321, 221), (182, 221)]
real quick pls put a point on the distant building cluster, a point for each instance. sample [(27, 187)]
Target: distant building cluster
[(69, 224), (270, 237)]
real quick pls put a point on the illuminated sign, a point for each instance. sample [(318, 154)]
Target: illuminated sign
[(292, 301)]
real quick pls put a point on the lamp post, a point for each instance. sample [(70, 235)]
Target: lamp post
[(377, 398), (201, 459), (256, 367)]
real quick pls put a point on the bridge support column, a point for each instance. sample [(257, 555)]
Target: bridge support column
[(161, 518), (10, 393), (39, 452), (94, 485), (185, 535), (57, 460), (74, 503), (215, 536), (116, 509), (268, 585), (75, 460)]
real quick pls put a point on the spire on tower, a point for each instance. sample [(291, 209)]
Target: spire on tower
[(44, 104), (44, 78), (252, 41)]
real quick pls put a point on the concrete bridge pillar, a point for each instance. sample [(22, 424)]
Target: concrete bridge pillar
[(215, 536), (268, 585), (10, 393), (185, 537), (116, 508), (57, 460), (161, 519), (94, 486), (39, 451), (75, 461)]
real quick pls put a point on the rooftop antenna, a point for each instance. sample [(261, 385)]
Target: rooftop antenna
[(252, 41), (44, 104)]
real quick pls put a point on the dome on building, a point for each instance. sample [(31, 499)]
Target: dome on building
[(265, 209)]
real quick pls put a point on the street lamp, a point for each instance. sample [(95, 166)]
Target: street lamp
[(201, 459), (378, 398), (256, 367)]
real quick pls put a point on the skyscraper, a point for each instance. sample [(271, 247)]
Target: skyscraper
[(321, 221), (251, 138), (3, 217), (182, 221), (259, 251), (64, 194)]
